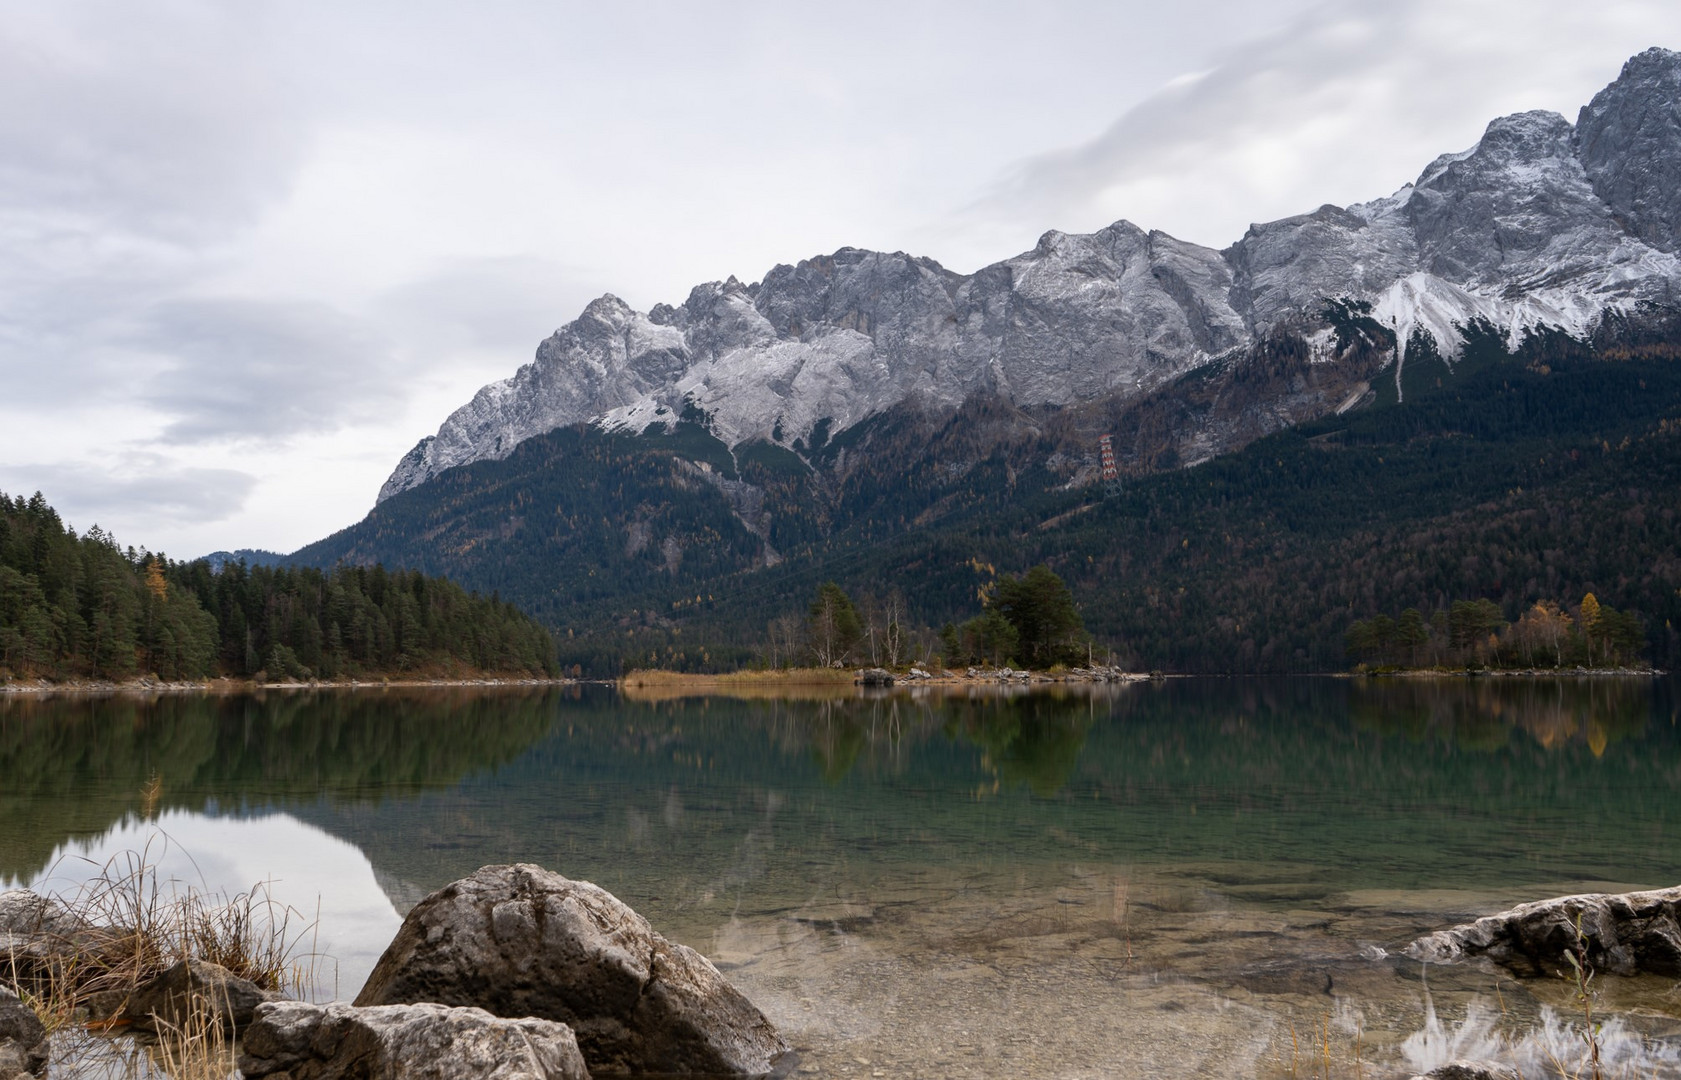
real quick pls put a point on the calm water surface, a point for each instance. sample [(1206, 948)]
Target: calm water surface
[(1202, 877)]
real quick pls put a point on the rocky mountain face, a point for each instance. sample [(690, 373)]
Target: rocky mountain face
[(1541, 224)]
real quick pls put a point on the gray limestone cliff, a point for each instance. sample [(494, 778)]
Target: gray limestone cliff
[(1539, 224)]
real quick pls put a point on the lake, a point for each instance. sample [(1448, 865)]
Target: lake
[(1198, 877)]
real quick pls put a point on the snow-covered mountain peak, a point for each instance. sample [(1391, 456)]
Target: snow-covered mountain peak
[(1538, 223)]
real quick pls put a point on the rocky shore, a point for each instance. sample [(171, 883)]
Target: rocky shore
[(514, 971), (918, 676)]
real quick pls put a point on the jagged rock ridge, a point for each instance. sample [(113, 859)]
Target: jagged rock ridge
[(1540, 224)]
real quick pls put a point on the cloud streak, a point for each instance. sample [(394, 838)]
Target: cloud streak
[(87, 493), (260, 370), (1344, 105)]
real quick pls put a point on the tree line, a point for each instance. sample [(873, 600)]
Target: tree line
[(1027, 620), (80, 606), (1475, 634)]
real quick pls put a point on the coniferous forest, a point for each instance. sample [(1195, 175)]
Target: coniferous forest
[(1516, 475), (79, 606)]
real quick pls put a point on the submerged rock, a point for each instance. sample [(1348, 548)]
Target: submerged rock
[(168, 999), (23, 1041), (523, 941), (1471, 1070), (299, 1041), (1625, 934)]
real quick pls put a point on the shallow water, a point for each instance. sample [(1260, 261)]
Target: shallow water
[(1202, 877)]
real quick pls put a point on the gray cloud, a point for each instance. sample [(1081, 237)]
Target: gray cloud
[(1345, 104), (262, 371), (502, 305), (163, 121), (142, 485)]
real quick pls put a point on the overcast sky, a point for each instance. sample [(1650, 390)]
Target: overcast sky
[(250, 253)]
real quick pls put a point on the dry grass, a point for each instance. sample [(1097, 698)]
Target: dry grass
[(655, 685), (198, 1048), (771, 677), (130, 925)]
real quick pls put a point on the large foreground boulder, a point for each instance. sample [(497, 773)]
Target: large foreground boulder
[(1625, 934), (298, 1041), (23, 1041), (171, 998), (523, 941)]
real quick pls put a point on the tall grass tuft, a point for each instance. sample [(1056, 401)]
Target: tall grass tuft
[(128, 925), (197, 1048)]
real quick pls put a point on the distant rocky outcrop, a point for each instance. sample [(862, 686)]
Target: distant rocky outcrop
[(1540, 224), (521, 941), (1625, 934), (296, 1041)]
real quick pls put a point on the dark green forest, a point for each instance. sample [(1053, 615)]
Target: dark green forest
[(80, 606), (1510, 476)]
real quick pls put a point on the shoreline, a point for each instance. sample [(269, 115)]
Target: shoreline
[(1507, 673), (847, 680), (668, 683), (249, 686)]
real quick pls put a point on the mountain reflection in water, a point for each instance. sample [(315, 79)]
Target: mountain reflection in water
[(1243, 839)]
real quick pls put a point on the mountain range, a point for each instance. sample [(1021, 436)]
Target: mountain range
[(645, 464)]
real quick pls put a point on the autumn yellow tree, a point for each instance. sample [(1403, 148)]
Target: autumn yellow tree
[(155, 582), (1590, 622)]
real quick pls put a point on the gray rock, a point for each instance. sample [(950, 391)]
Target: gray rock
[(169, 999), (1629, 140), (523, 941), (23, 1041), (1471, 1070), (293, 1040), (35, 928), (1626, 933)]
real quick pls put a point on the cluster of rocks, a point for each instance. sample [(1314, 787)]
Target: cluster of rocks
[(1097, 674), (512, 972), (1101, 674)]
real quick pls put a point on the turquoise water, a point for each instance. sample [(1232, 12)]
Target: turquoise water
[(1152, 832)]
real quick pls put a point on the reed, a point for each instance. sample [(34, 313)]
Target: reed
[(127, 925)]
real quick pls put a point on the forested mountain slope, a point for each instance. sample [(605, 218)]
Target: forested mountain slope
[(1465, 390), (1547, 473)]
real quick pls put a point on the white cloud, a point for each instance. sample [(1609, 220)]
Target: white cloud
[(1345, 104)]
